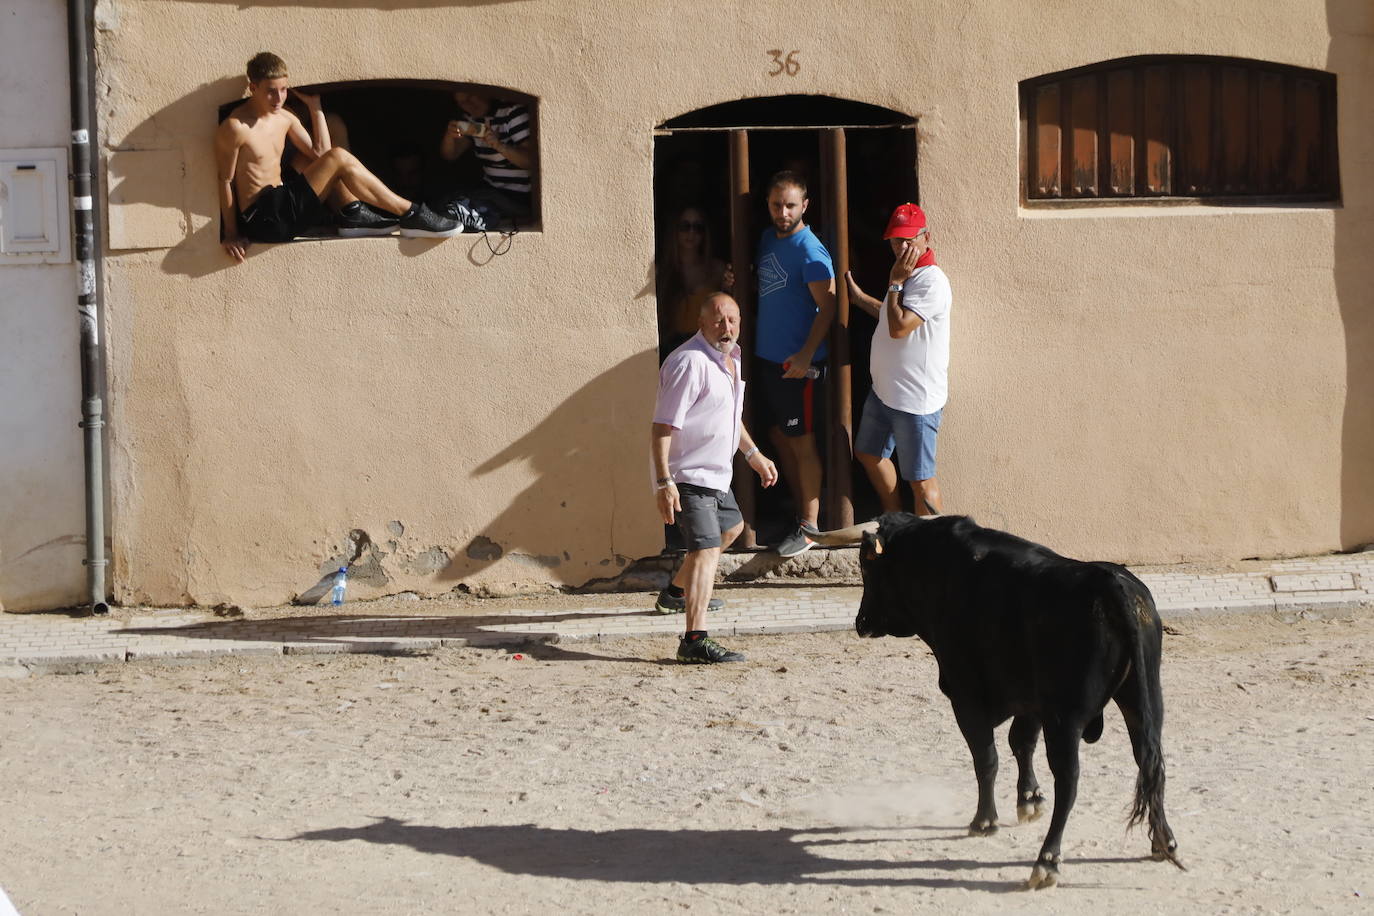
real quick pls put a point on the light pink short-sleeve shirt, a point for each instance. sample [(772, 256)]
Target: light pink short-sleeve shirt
[(703, 400)]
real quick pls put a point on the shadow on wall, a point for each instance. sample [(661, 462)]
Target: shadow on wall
[(1351, 55), (573, 505), (186, 126)]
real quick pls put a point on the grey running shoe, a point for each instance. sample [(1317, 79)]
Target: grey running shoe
[(795, 543), (357, 219), (424, 223), (668, 604), (705, 651)]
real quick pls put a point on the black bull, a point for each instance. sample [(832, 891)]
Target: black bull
[(1021, 632)]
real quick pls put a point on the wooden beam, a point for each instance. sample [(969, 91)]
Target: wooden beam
[(839, 477), (741, 257)]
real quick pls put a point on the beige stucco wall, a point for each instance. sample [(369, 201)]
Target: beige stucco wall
[(1142, 385), (42, 528)]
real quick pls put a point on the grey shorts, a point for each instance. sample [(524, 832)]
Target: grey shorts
[(706, 514)]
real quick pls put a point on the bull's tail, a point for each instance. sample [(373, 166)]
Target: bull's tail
[(1141, 700), (1148, 806)]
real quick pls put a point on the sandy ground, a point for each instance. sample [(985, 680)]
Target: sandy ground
[(823, 776)]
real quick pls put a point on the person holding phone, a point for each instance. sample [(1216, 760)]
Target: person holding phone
[(501, 136), (910, 366)]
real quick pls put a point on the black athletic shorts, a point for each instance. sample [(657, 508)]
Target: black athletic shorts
[(283, 211), (706, 514), (794, 405)]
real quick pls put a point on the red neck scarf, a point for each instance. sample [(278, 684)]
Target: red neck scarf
[(927, 259)]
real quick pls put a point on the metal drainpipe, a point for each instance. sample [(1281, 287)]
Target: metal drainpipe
[(79, 19)]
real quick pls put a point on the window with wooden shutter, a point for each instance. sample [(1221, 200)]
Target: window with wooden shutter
[(1176, 128)]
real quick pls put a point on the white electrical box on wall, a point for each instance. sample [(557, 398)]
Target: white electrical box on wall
[(35, 213)]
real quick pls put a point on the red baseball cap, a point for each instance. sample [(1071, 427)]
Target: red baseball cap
[(906, 223)]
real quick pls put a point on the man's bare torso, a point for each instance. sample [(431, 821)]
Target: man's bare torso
[(261, 140)]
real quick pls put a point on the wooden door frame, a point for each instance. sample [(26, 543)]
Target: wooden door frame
[(837, 491)]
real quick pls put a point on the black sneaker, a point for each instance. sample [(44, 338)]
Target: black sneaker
[(424, 223), (705, 651), (667, 603), (795, 543), (357, 220)]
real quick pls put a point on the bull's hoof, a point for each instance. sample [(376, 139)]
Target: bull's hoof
[(1167, 853), (1030, 808), (983, 827), (1043, 875)]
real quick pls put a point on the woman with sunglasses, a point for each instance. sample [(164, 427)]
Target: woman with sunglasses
[(688, 274)]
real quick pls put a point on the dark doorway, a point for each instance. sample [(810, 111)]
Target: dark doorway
[(859, 161)]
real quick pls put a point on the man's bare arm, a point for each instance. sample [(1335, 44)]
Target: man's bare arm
[(319, 125), (228, 139), (860, 298), (669, 503), (823, 292), (521, 156), (757, 460), (901, 321), (300, 138)]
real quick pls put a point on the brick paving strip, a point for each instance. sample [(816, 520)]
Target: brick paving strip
[(49, 642)]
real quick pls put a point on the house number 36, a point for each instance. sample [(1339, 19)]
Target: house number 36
[(789, 64)]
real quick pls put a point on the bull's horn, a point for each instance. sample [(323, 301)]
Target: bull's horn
[(851, 535)]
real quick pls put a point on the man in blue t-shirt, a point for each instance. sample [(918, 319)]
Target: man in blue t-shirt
[(796, 308)]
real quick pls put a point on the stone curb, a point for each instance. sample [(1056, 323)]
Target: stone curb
[(1313, 588), (67, 660)]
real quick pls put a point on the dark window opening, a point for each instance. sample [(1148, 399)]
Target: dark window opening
[(692, 169), (395, 128), (1199, 129)]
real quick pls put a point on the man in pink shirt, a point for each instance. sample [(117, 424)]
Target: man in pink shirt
[(696, 431)]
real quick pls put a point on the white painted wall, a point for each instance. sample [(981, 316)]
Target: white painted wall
[(42, 525)]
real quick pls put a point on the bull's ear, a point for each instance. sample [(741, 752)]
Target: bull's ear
[(872, 546)]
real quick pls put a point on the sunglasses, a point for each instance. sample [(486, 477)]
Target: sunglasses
[(689, 225)]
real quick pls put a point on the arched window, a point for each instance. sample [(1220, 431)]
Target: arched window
[(1209, 129)]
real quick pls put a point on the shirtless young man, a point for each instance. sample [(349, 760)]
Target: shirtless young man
[(248, 150)]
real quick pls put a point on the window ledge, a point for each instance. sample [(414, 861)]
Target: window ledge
[(1170, 207)]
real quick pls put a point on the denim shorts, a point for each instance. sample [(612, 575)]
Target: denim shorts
[(706, 514), (912, 435)]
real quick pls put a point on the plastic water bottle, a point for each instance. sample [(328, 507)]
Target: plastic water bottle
[(336, 594), (811, 371)]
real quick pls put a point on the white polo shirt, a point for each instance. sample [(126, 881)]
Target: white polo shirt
[(911, 374)]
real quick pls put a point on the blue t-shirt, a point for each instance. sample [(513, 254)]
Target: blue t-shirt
[(786, 308)]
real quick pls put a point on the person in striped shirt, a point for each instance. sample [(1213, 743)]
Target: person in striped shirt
[(500, 134)]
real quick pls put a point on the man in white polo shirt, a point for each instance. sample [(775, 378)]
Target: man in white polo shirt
[(696, 431), (909, 364)]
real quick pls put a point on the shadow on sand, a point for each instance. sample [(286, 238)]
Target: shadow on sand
[(632, 855), (373, 634)]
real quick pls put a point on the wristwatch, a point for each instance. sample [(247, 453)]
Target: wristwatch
[(894, 288)]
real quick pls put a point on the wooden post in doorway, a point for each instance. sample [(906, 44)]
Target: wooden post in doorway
[(741, 257), (840, 502)]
